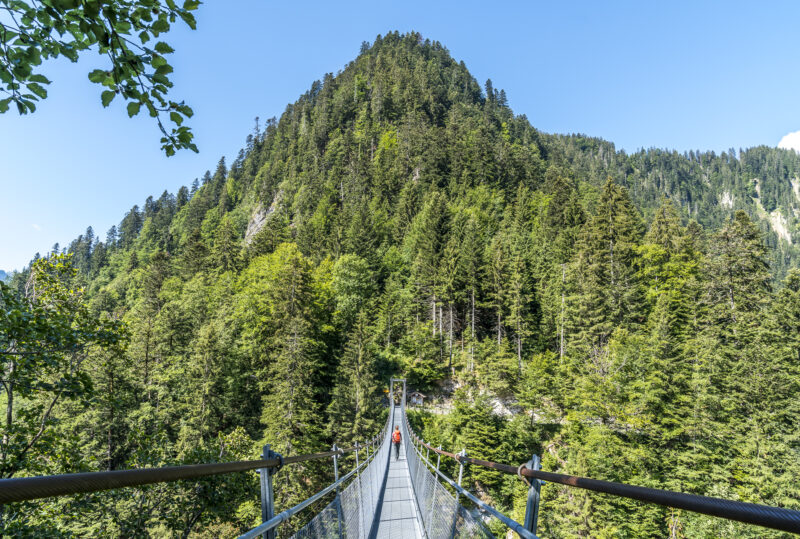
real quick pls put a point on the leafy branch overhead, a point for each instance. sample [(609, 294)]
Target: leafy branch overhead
[(126, 32)]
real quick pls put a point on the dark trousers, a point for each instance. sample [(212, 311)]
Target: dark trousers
[(396, 450)]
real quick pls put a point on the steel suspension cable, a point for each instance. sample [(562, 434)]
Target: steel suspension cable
[(31, 488), (777, 518)]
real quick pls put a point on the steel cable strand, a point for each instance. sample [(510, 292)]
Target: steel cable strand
[(762, 515), (20, 489)]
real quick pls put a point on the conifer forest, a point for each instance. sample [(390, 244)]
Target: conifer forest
[(628, 317)]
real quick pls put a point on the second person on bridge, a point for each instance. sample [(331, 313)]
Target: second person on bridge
[(396, 440)]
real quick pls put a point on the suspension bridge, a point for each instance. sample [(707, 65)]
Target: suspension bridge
[(393, 495)]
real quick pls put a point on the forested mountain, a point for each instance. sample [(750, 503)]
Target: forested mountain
[(763, 181), (638, 315)]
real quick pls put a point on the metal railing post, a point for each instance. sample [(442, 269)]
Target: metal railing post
[(532, 507), (360, 500), (462, 453), (267, 494), (338, 499)]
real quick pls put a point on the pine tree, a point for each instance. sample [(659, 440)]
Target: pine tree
[(610, 293), (470, 264), (275, 303), (226, 246), (182, 198), (195, 253), (129, 227), (423, 247), (787, 317), (739, 387), (354, 411), (522, 308)]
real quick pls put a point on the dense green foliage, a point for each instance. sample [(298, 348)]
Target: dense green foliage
[(763, 181), (121, 30), (603, 310)]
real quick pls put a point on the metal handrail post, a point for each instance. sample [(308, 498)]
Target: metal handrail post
[(336, 478), (462, 453), (267, 494), (360, 500), (461, 467), (534, 495)]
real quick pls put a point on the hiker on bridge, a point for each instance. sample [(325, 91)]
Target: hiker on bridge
[(396, 440)]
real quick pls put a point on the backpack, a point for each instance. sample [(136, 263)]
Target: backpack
[(396, 436)]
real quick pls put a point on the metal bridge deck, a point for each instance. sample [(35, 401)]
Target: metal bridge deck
[(397, 517)]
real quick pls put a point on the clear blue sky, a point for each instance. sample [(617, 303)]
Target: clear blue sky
[(683, 75)]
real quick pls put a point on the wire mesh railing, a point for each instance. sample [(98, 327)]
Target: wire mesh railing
[(352, 512), (777, 518), (358, 494), (442, 515)]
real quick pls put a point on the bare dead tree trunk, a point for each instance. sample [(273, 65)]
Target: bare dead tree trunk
[(563, 292), (472, 335), (9, 387), (450, 339), (433, 314)]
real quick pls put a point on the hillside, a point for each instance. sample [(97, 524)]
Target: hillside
[(764, 182), (399, 219)]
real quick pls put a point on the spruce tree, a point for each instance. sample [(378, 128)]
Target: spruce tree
[(610, 294), (275, 301), (354, 411), (226, 246)]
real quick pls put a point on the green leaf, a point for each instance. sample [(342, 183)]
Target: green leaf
[(163, 48), (39, 78), (37, 89), (188, 18), (191, 5), (175, 117), (107, 96), (4, 103), (161, 25), (158, 61), (133, 108), (98, 75), (186, 110), (122, 27)]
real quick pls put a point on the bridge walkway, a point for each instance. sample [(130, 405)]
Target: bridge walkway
[(397, 514)]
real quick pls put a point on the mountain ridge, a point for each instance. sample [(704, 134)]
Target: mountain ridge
[(399, 220)]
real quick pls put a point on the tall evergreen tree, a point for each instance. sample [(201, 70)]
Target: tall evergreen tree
[(610, 295), (354, 411)]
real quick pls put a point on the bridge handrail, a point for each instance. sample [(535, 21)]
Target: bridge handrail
[(289, 513), (19, 489), (511, 523), (777, 518)]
